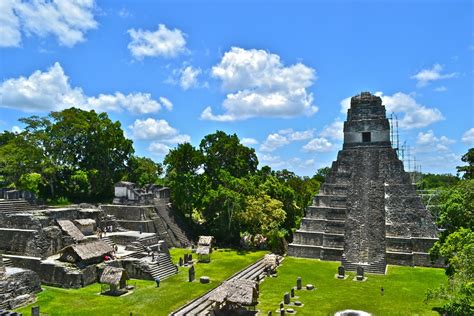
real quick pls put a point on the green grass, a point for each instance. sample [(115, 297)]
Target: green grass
[(404, 289), (146, 299)]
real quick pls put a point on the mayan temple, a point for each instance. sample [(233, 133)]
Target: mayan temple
[(367, 212)]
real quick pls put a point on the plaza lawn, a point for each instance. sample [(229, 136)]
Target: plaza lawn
[(404, 289), (146, 299)]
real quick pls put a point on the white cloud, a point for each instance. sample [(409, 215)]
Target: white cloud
[(50, 90), (16, 129), (162, 42), (334, 131), (284, 137), (140, 103), (189, 77), (468, 137), (425, 76), (158, 149), (410, 113), (152, 129), (259, 85), (66, 20), (297, 135), (428, 142), (345, 105), (440, 89), (414, 115), (10, 35), (166, 103), (273, 142), (318, 145), (160, 131), (248, 141)]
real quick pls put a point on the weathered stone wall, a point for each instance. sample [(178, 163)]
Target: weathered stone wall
[(365, 223), (18, 287)]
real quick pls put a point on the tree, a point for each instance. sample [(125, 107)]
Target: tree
[(142, 171), (222, 151), (458, 249), (469, 169), (66, 148), (456, 245), (322, 174), (182, 166)]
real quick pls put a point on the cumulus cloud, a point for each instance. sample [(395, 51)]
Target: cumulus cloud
[(468, 137), (68, 21), (16, 129), (284, 137), (248, 141), (160, 43), (162, 134), (425, 76), (411, 114), (273, 142), (189, 77), (334, 131), (259, 85), (50, 91), (428, 142), (152, 129), (158, 149), (166, 103), (320, 144)]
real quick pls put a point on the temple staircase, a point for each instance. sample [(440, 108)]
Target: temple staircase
[(378, 266), (163, 267)]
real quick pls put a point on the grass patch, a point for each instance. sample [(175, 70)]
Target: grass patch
[(146, 298), (404, 289)]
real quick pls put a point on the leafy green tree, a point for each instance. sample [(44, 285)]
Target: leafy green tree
[(142, 171), (469, 169), (61, 146), (264, 215), (436, 181), (31, 182), (458, 249), (222, 151), (322, 174), (183, 164), (456, 246)]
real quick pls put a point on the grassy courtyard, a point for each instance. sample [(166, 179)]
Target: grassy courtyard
[(404, 289), (146, 299)]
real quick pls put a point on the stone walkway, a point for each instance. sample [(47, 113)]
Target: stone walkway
[(202, 305)]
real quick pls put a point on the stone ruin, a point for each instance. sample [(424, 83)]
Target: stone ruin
[(148, 209), (367, 212), (70, 246), (17, 286)]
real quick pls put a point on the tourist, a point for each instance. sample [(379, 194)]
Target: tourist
[(381, 290), (157, 280)]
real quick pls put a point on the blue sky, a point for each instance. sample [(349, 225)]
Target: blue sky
[(276, 73)]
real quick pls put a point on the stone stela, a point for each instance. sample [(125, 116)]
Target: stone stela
[(367, 213)]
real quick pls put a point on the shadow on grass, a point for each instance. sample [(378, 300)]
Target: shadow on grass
[(439, 310)]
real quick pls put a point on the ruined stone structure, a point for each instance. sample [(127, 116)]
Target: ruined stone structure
[(367, 213)]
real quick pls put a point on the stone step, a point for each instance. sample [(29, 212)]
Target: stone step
[(322, 225), (330, 200), (7, 262), (325, 212)]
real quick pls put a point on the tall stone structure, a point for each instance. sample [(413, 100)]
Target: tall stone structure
[(367, 212)]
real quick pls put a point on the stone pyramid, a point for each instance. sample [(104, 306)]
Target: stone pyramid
[(367, 212)]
